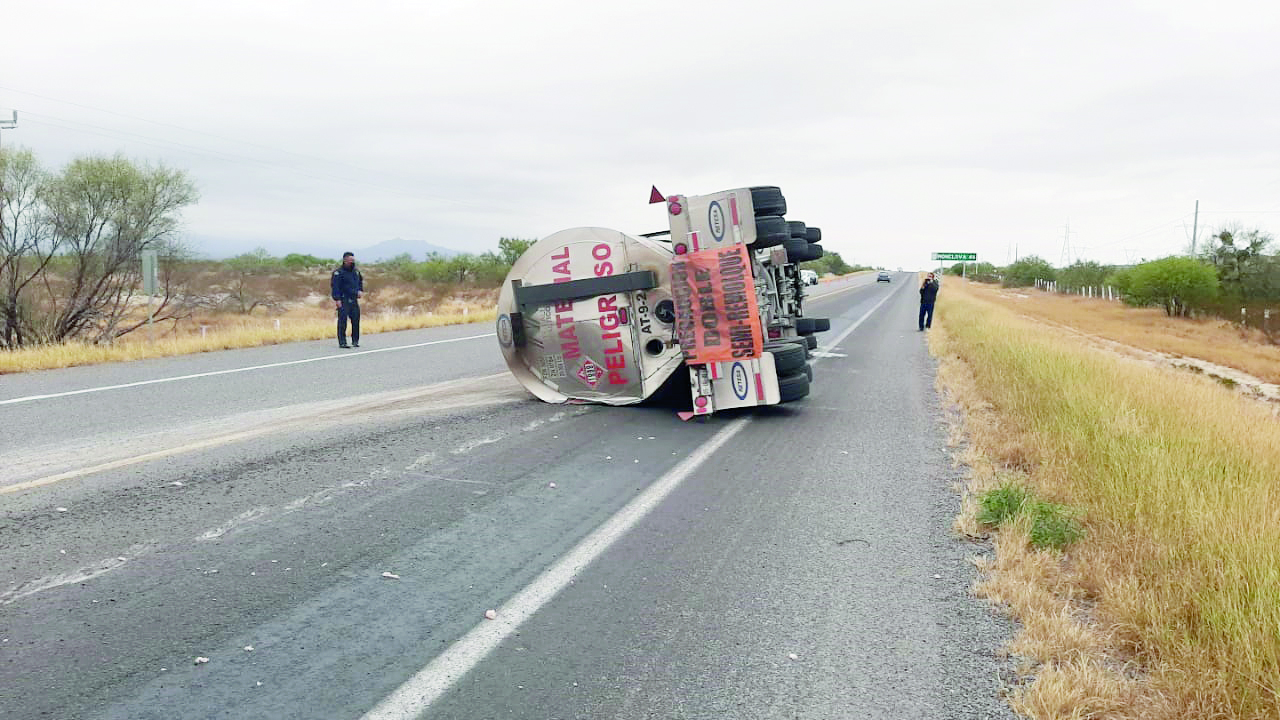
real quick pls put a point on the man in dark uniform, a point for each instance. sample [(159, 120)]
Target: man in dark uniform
[(347, 287), (928, 296)]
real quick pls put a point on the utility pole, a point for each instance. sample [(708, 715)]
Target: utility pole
[(1066, 245), (1194, 224), (10, 124)]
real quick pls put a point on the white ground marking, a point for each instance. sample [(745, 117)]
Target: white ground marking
[(340, 356)]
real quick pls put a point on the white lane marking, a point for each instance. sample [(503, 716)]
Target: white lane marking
[(417, 693), (337, 356), (428, 684)]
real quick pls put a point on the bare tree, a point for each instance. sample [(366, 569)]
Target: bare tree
[(27, 241), (250, 283), (105, 212)]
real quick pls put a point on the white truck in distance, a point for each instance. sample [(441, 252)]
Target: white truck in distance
[(714, 304)]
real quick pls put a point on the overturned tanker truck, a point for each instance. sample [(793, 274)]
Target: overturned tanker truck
[(715, 304)]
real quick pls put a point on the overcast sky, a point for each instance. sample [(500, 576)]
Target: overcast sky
[(899, 128)]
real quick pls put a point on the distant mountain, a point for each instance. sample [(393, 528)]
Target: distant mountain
[(387, 249)]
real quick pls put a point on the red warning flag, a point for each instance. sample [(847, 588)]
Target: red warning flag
[(655, 196)]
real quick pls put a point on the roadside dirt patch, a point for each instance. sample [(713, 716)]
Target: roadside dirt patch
[(1246, 384)]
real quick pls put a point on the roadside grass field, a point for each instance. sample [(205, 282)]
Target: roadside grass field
[(1156, 593), (1214, 339), (228, 331)]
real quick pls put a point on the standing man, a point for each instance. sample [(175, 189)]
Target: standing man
[(347, 287), (928, 296)]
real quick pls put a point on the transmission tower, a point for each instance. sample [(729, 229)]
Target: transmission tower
[(10, 124), (1066, 245)]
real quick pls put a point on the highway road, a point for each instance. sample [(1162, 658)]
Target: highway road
[(328, 529)]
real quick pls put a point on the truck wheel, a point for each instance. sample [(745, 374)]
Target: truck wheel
[(801, 343), (788, 358), (793, 387), (808, 372), (771, 230), (797, 229), (768, 200), (813, 234), (811, 341), (815, 251), (797, 250), (809, 326)]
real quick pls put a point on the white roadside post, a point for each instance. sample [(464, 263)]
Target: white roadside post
[(149, 284)]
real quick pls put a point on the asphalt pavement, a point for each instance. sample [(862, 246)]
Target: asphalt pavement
[(329, 529)]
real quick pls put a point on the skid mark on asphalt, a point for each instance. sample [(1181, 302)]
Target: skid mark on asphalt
[(271, 512), (442, 478), (452, 395), (423, 460), (557, 417), (48, 582), (467, 447)]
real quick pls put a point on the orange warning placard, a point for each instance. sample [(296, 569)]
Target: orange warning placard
[(717, 318)]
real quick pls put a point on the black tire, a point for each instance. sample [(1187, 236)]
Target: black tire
[(809, 326), (788, 358), (808, 372), (768, 200), (793, 387), (771, 230), (807, 253), (797, 229), (811, 341), (800, 343), (797, 250), (813, 234)]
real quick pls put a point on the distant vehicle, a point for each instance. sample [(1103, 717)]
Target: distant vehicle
[(809, 277), (884, 277)]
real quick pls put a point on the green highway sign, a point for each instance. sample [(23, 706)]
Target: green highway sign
[(968, 257)]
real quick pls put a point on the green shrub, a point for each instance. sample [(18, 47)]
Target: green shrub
[(1001, 503), (1049, 525), (1052, 526)]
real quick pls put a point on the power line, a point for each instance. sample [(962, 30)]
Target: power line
[(232, 157), (126, 116), (164, 144), (9, 124)]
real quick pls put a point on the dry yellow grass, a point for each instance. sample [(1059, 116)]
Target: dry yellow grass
[(1209, 339), (1169, 607), (225, 332)]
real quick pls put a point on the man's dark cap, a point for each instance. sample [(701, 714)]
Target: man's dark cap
[(346, 255)]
